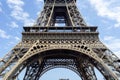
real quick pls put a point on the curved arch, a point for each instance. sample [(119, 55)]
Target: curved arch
[(37, 49), (70, 68), (60, 55), (79, 48), (62, 73)]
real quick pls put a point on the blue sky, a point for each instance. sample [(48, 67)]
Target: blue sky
[(14, 14)]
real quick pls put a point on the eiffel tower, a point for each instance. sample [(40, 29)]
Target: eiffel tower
[(60, 38)]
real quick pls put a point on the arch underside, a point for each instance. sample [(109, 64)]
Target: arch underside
[(79, 58), (77, 62)]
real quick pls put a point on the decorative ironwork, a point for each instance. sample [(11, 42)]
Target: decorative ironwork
[(60, 38)]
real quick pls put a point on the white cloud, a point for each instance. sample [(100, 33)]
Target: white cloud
[(3, 34), (17, 38), (107, 38), (40, 6), (108, 9), (14, 40), (113, 43), (18, 13), (13, 25), (39, 0)]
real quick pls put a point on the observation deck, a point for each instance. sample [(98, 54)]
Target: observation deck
[(60, 32)]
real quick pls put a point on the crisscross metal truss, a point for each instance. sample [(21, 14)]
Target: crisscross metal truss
[(45, 46), (42, 57), (68, 7), (35, 69)]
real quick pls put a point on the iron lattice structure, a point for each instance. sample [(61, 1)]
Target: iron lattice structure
[(60, 38)]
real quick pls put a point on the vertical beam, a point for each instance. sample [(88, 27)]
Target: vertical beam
[(69, 13), (34, 70), (50, 17), (31, 71), (74, 14), (86, 70)]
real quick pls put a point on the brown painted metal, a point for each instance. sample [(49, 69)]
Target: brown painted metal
[(48, 44)]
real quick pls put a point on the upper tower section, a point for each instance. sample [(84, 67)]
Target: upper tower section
[(60, 1), (60, 13), (58, 18)]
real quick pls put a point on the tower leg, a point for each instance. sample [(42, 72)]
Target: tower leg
[(34, 70), (86, 70)]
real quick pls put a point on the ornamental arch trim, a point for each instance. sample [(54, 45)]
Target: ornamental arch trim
[(37, 48)]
